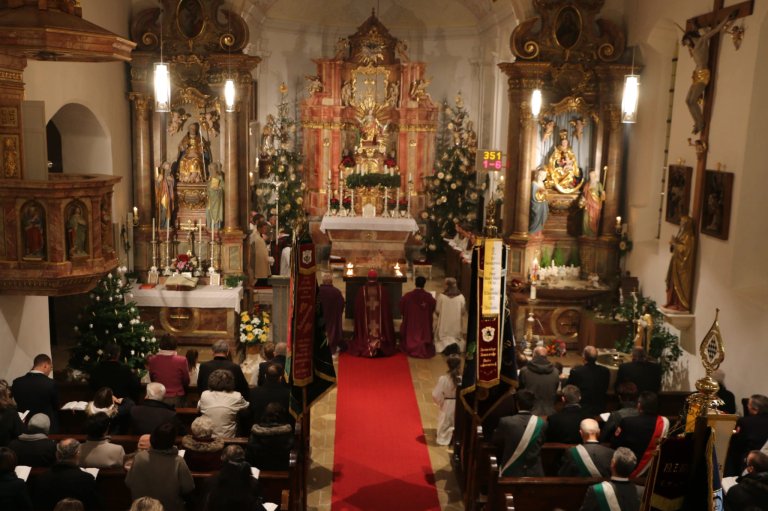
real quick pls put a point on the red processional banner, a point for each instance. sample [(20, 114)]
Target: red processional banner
[(303, 314), (491, 277)]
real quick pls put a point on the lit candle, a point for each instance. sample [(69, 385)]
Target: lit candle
[(135, 215), (533, 291), (618, 223)]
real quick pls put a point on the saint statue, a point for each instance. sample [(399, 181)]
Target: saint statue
[(33, 226), (194, 156), (539, 205), (214, 212), (165, 186), (592, 201), (681, 266), (563, 168), (644, 330), (77, 232)]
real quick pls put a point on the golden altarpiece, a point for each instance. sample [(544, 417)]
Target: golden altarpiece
[(567, 162), (369, 115)]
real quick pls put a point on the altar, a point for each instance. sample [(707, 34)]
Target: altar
[(392, 283), (364, 241), (198, 317)]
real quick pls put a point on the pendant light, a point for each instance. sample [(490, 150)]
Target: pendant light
[(162, 81), (229, 95), (536, 102), (631, 95)]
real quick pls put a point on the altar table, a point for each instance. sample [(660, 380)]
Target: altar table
[(198, 317), (363, 240)]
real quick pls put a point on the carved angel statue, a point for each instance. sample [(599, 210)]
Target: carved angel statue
[(346, 93), (578, 128), (402, 50), (315, 84), (177, 120), (393, 94), (548, 125), (342, 48), (418, 90), (209, 122)]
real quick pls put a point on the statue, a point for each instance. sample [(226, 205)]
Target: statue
[(681, 267), (176, 123), (393, 94), (346, 93), (214, 212), (106, 223), (592, 201), (315, 84), (578, 128), (549, 127), (698, 47), (563, 167), (268, 135), (33, 227), (539, 205), (10, 158), (165, 191), (194, 156), (418, 90), (401, 47), (77, 232), (210, 123), (644, 330), (342, 48)]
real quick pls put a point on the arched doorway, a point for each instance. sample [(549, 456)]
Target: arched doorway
[(84, 146)]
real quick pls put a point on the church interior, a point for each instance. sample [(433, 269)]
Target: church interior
[(590, 165)]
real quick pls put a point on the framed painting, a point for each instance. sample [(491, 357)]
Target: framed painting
[(678, 192), (716, 207)]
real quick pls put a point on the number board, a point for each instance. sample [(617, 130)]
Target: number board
[(489, 160)]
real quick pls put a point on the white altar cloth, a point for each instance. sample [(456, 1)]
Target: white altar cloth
[(357, 223), (202, 297)]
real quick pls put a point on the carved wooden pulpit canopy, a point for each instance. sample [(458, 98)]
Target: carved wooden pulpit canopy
[(196, 196)]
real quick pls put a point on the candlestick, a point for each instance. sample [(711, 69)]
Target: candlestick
[(153, 228), (386, 202), (397, 201), (200, 241), (135, 215), (352, 203), (168, 232), (618, 224)]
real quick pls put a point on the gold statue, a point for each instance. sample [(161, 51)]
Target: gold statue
[(644, 330), (681, 267), (194, 156), (563, 169)]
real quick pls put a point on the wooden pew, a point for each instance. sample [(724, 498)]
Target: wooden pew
[(129, 442), (536, 493), (73, 421)]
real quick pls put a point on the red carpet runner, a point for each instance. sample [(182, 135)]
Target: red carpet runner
[(381, 460)]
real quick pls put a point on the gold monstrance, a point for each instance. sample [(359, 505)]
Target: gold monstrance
[(705, 401)]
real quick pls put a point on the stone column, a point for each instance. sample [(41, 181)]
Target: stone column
[(143, 176), (611, 90), (229, 165)]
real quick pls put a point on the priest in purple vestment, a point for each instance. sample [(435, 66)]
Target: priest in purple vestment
[(374, 330), (332, 302), (417, 307)]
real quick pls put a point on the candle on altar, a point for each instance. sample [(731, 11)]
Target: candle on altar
[(168, 232), (397, 201), (386, 201), (352, 202), (533, 291), (200, 239), (153, 229)]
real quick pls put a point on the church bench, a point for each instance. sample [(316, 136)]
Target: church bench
[(536, 493), (129, 442), (73, 421)]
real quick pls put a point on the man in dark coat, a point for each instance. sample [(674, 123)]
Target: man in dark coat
[(751, 490), (751, 434), (627, 394), (221, 361), (417, 308), (332, 302), (592, 381), (65, 479), (563, 426), (619, 490), (233, 487), (591, 458), (152, 411), (34, 448), (37, 392), (111, 373), (643, 432), (273, 390), (640, 371), (281, 351), (542, 378), (519, 445)]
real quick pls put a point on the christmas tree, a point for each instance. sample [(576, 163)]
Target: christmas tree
[(282, 193), (109, 319), (454, 195)]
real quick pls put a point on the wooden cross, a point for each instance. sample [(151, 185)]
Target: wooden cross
[(718, 14)]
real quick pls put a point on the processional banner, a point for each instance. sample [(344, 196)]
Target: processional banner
[(491, 272), (303, 294)]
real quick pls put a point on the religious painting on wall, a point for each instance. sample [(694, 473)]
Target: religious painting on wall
[(76, 227), (678, 192), (33, 232), (716, 209)]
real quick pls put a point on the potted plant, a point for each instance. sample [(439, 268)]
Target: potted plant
[(232, 281)]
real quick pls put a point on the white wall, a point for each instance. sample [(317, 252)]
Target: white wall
[(101, 88), (730, 274)]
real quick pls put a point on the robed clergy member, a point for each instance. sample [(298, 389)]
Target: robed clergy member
[(333, 307), (417, 307), (374, 331)]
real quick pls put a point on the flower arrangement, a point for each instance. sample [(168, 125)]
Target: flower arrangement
[(390, 162), (185, 263), (254, 327), (348, 161), (334, 203), (347, 202), (372, 180), (403, 205), (555, 347)]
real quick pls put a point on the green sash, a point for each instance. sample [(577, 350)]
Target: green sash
[(529, 439), (606, 497), (584, 462)]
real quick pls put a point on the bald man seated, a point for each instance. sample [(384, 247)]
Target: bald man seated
[(590, 458)]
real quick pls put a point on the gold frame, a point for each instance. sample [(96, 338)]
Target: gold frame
[(202, 14), (369, 70), (555, 26)]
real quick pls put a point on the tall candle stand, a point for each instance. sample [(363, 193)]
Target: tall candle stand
[(167, 269)]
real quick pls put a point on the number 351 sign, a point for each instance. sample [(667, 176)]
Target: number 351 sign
[(489, 160)]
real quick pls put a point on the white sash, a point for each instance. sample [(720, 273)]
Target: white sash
[(585, 458), (610, 496), (530, 428)]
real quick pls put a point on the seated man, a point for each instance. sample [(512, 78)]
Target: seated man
[(221, 360), (65, 479), (542, 378), (34, 448), (519, 438), (233, 487), (627, 393), (374, 333), (590, 459), (563, 426), (640, 371), (152, 412), (98, 451), (750, 435), (13, 492), (618, 494), (273, 390), (751, 490), (643, 432), (417, 307), (592, 381)]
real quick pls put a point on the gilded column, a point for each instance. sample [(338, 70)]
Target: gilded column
[(511, 183), (142, 157), (614, 176), (525, 166), (231, 198)]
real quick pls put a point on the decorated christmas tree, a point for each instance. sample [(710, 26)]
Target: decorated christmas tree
[(454, 194), (282, 192), (109, 319)]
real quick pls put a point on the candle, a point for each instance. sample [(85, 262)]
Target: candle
[(386, 200), (618, 223), (168, 232), (533, 291), (135, 215), (153, 228), (352, 202)]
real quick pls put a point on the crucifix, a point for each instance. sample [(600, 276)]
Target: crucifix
[(705, 48)]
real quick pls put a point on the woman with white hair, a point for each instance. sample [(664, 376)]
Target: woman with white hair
[(451, 312)]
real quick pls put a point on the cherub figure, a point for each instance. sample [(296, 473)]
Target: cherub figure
[(210, 123), (176, 123), (578, 128), (342, 48), (315, 84), (549, 127), (418, 90), (402, 51), (393, 94), (346, 93)]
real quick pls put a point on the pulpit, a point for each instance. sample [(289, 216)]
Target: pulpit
[(198, 317)]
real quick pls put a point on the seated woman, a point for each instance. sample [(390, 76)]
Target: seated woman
[(103, 402), (271, 440), (203, 450), (10, 424), (98, 451), (13, 491), (34, 448), (233, 487), (160, 472), (221, 403)]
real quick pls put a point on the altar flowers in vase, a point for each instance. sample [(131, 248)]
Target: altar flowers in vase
[(254, 333)]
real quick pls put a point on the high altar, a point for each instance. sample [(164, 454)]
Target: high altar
[(567, 162), (369, 140)]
